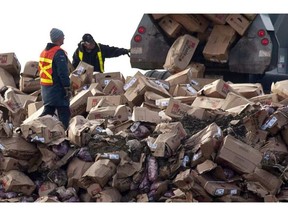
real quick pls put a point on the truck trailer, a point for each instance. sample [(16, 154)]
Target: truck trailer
[(257, 54)]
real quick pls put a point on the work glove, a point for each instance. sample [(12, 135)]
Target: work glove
[(68, 92), (127, 52)]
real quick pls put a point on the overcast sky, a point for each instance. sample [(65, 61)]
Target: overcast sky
[(25, 27), (25, 24)]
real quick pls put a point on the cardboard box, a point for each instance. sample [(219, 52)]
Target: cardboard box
[(248, 90), (170, 26), (203, 37), (76, 81), (6, 79), (176, 127), (83, 74), (81, 129), (199, 113), (29, 85), (163, 103), (46, 188), (266, 99), (112, 100), (44, 129), (206, 166), (207, 102), (184, 180), (205, 143), (280, 88), (199, 83), (176, 109), (114, 113), (25, 100), (30, 69), (218, 44), (184, 90), (254, 121), (10, 163), (191, 22), (275, 122), (193, 70), (216, 18), (96, 89), (145, 115), (104, 78), (17, 147), (100, 172), (10, 63), (181, 77), (150, 97), (216, 188), (180, 53), (158, 16), (209, 133), (165, 143), (114, 87), (109, 194), (274, 145), (78, 103), (238, 22), (123, 126), (12, 101), (270, 182), (234, 100), (33, 107), (18, 182), (75, 169), (197, 70), (137, 86), (254, 138), (250, 17), (238, 155), (94, 189), (34, 115), (160, 82), (217, 89)]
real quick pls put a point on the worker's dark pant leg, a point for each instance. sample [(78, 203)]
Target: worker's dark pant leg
[(64, 115), (48, 110), (63, 112)]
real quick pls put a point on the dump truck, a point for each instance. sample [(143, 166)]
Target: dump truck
[(258, 52)]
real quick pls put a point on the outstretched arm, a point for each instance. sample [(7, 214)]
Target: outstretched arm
[(110, 51)]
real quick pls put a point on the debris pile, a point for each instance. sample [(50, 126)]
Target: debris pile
[(141, 139)]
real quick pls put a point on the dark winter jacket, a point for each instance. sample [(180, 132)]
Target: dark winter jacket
[(54, 95), (92, 58)]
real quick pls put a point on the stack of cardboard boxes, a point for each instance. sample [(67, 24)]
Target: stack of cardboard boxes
[(217, 31), (9, 69)]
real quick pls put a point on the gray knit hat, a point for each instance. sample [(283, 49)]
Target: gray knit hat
[(55, 34)]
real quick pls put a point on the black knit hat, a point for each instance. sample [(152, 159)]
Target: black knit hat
[(87, 38)]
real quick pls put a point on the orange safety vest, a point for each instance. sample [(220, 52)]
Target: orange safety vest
[(45, 65)]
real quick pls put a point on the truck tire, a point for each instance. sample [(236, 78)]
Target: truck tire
[(162, 75)]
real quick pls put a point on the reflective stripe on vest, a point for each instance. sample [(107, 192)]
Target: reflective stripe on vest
[(99, 54), (45, 65)]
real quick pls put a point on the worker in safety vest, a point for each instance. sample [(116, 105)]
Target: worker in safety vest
[(95, 53), (54, 78)]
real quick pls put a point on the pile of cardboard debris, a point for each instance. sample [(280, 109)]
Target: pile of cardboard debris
[(139, 139)]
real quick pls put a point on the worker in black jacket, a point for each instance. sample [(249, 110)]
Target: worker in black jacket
[(95, 53)]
